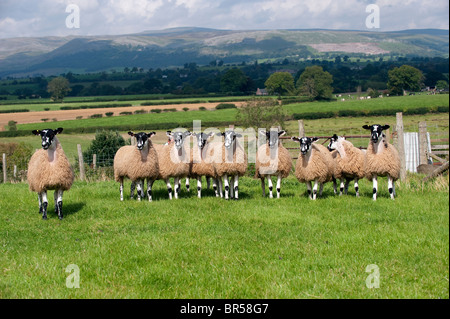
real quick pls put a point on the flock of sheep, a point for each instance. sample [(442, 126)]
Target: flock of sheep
[(221, 158)]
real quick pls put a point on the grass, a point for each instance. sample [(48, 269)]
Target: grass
[(211, 248)]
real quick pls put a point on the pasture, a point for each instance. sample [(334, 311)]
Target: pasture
[(211, 248), (255, 247)]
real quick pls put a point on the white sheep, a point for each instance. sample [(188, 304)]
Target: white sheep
[(314, 163), (349, 163), (381, 159), (138, 163), (272, 159), (49, 169), (174, 160), (230, 160)]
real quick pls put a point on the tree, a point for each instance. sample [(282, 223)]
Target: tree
[(261, 114), (105, 145), (234, 80), (58, 88), (280, 83), (315, 83), (441, 85), (404, 78)]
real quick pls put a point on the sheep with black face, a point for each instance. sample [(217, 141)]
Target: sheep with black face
[(272, 159), (381, 159), (314, 164), (49, 169)]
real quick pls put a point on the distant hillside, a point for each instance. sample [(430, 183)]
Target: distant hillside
[(175, 47)]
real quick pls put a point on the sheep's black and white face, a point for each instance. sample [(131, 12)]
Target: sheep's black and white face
[(142, 139), (333, 143), (202, 139), (178, 137), (47, 136), (230, 137), (272, 137), (305, 143), (376, 131)]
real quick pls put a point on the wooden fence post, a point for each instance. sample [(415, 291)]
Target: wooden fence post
[(94, 161), (423, 144), (15, 173), (81, 162), (4, 168), (301, 129), (401, 146)]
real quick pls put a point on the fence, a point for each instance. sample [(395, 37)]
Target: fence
[(429, 146)]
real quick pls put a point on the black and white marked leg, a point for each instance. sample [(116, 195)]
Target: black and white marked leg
[(215, 186), (59, 202), (41, 209), (188, 185), (44, 204), (55, 197), (391, 187), (309, 188), (356, 187), (140, 189), (219, 181), (375, 187), (316, 184), (199, 187), (236, 187), (169, 188), (121, 190), (320, 189), (208, 182), (269, 182), (227, 186), (341, 187), (334, 186), (278, 186), (176, 182)]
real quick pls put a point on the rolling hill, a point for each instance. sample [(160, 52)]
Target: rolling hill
[(175, 47)]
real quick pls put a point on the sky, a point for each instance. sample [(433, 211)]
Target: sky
[(35, 18)]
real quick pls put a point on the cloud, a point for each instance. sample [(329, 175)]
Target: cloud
[(103, 17)]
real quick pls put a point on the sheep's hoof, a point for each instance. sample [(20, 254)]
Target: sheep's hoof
[(44, 217), (60, 217)]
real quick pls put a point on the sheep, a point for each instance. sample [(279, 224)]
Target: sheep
[(173, 160), (314, 163), (349, 163), (49, 169), (199, 163), (229, 159), (272, 159), (138, 163), (381, 159)]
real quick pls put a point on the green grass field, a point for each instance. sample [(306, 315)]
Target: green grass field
[(211, 248)]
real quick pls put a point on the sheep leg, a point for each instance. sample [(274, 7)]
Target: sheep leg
[(308, 187), (132, 188), (347, 182), (315, 189), (335, 186), (341, 187), (269, 181), (40, 203), (44, 204), (187, 184), (231, 187), (215, 182), (219, 181), (58, 202), (278, 186), (169, 188), (391, 186), (149, 189), (263, 187), (375, 187), (356, 187), (227, 185), (199, 187), (208, 182), (236, 187), (320, 189), (121, 190), (140, 189), (176, 182)]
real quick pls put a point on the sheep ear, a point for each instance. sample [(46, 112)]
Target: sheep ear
[(187, 133), (281, 133), (366, 127), (295, 139), (58, 130), (262, 132), (169, 133), (385, 127), (36, 132), (315, 139), (335, 137), (149, 135), (238, 135), (131, 133), (211, 134)]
